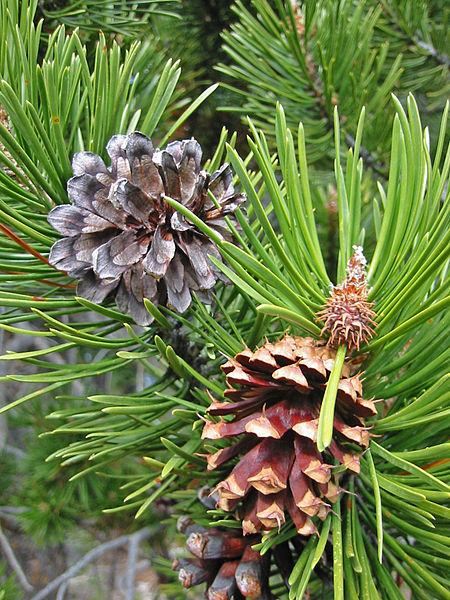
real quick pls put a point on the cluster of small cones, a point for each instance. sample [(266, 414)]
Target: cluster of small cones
[(274, 397), (225, 560)]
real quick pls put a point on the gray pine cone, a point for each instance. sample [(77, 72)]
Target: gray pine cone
[(121, 235)]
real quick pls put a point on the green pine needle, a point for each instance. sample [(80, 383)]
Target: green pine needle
[(326, 417)]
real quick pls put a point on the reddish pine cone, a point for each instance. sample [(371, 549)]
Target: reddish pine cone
[(347, 315), (225, 560), (275, 397)]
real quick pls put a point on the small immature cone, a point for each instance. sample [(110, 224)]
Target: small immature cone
[(348, 316), (271, 408)]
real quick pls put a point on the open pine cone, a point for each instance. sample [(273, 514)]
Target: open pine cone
[(275, 395), (121, 235)]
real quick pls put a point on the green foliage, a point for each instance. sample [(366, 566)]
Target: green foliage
[(9, 589), (396, 496), (123, 18), (53, 110), (194, 39), (55, 506), (407, 272), (312, 55), (419, 31), (146, 438)]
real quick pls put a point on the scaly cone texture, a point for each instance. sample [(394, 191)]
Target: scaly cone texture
[(225, 560), (275, 397), (348, 316), (121, 235)]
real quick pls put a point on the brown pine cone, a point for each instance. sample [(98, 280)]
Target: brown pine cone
[(274, 397)]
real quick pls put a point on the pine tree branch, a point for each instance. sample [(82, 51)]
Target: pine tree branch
[(133, 550), (62, 591), (9, 511), (440, 57), (14, 563), (90, 557), (318, 94)]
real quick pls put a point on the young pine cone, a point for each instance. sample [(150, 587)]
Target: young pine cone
[(122, 236), (225, 560), (347, 315), (275, 395)]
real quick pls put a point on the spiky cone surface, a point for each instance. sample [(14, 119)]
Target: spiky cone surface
[(348, 316), (274, 397), (122, 237), (225, 560)]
